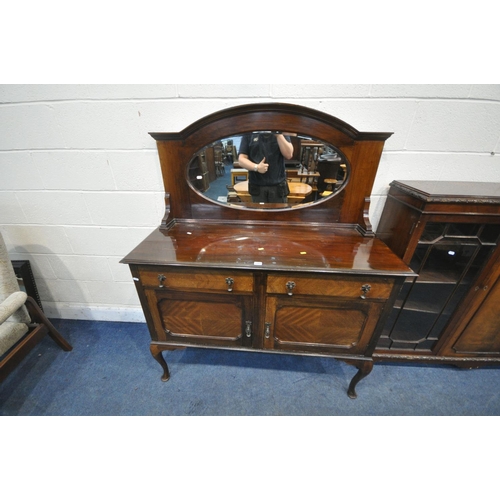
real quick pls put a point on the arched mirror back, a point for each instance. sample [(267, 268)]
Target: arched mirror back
[(329, 176)]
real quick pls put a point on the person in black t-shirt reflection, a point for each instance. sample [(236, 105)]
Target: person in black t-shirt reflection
[(263, 154)]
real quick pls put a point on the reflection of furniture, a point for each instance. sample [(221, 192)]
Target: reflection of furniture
[(449, 233), (232, 197), (219, 164), (236, 173), (303, 280), (310, 152), (298, 191), (209, 158), (330, 186), (22, 323), (327, 169), (198, 172), (26, 280)]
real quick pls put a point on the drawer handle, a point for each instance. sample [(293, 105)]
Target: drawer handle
[(161, 279), (290, 285), (365, 289), (267, 331), (230, 283), (248, 329)]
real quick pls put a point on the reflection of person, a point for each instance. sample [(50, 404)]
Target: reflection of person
[(263, 155)]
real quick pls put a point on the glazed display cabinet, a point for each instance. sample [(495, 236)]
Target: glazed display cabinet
[(448, 233)]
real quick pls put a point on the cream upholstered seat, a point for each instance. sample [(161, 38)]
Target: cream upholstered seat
[(22, 322)]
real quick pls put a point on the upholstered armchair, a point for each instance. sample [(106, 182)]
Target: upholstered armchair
[(22, 323)]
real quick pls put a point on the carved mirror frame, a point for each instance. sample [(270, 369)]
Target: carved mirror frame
[(350, 206)]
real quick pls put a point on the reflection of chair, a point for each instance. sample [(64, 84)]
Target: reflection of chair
[(22, 323), (327, 169)]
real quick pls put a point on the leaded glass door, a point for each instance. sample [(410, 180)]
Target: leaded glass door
[(448, 258)]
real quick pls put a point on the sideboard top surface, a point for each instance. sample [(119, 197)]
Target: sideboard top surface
[(267, 247)]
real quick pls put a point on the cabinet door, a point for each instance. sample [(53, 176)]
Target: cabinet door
[(448, 258), (202, 319), (334, 315), (315, 324), (200, 307), (481, 335)]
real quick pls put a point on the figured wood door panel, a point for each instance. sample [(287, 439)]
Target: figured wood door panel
[(315, 324), (481, 335), (205, 319)]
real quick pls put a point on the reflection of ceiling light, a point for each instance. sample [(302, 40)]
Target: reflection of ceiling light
[(303, 253), (451, 252), (260, 248), (189, 232)]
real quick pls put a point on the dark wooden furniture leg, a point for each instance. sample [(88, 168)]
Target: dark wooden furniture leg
[(39, 327), (156, 351), (364, 369), (38, 316)]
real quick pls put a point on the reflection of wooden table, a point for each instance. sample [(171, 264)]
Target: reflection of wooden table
[(298, 191)]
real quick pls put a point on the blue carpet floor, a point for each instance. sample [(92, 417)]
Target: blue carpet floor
[(111, 372)]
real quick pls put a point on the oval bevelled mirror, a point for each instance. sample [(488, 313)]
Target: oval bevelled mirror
[(255, 171)]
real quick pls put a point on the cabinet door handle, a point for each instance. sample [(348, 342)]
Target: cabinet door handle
[(290, 285), (230, 283), (161, 279), (365, 289), (267, 331), (248, 329)]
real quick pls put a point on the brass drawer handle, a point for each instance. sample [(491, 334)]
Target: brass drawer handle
[(290, 285), (161, 279), (365, 289), (230, 283)]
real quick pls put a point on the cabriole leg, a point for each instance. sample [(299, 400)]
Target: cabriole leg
[(364, 368), (157, 354)]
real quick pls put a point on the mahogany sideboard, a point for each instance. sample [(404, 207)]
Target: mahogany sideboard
[(449, 233), (309, 279)]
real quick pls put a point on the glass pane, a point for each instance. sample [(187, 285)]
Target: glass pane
[(446, 261), (432, 231), (429, 297), (463, 229), (490, 233), (390, 323), (412, 326), (478, 263), (384, 343), (419, 257), (426, 345), (438, 328)]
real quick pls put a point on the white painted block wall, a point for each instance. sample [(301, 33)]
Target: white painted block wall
[(80, 181)]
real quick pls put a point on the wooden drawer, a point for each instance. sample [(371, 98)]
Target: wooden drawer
[(173, 279), (334, 286)]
